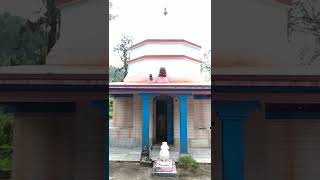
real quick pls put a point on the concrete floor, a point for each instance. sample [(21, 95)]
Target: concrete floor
[(133, 171), (201, 155)]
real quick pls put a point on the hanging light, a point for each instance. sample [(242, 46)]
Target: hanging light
[(165, 11)]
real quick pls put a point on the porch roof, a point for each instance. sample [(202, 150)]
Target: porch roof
[(268, 88), (49, 83), (163, 88)]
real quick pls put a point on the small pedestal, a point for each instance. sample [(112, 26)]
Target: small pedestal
[(145, 159), (168, 170)]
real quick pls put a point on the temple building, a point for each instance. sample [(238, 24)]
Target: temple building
[(162, 98)]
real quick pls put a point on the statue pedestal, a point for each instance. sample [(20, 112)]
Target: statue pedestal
[(164, 170), (145, 159)]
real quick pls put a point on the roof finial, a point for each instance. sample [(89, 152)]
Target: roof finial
[(165, 11)]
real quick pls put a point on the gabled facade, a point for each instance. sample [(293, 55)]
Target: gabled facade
[(175, 108)]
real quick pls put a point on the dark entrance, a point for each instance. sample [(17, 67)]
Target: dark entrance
[(164, 120)]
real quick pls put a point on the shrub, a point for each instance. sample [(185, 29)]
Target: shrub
[(110, 107), (6, 128), (187, 162), (6, 164)]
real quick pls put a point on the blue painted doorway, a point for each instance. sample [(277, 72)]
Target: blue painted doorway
[(164, 119)]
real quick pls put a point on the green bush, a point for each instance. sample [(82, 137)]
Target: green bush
[(6, 129), (110, 107), (6, 136), (187, 162), (6, 163)]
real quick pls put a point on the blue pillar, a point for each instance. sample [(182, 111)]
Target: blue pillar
[(233, 115), (145, 119), (104, 107), (183, 123)]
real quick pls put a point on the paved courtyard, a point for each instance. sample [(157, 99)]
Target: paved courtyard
[(201, 155), (133, 171)]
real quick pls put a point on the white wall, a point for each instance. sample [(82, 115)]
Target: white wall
[(174, 67), (181, 68)]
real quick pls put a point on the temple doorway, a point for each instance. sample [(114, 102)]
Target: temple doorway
[(163, 119)]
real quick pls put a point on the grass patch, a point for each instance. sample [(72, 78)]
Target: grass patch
[(187, 163)]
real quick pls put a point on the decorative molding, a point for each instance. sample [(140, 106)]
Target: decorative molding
[(164, 57), (163, 41)]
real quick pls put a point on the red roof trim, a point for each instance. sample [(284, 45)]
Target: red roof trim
[(163, 41), (167, 57), (49, 76), (50, 96), (266, 80), (267, 77)]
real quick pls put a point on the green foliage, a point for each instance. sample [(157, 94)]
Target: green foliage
[(6, 162), (123, 50), (206, 65), (6, 138), (115, 75), (187, 162), (18, 48), (110, 107), (6, 129)]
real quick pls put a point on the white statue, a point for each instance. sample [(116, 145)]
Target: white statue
[(164, 154)]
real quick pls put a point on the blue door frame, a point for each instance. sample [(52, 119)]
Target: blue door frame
[(183, 120), (232, 115)]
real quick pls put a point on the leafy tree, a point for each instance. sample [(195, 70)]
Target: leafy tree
[(24, 42), (17, 49), (123, 50), (50, 22), (303, 16), (206, 65), (115, 75)]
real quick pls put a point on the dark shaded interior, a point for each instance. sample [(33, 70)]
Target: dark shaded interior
[(161, 121)]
